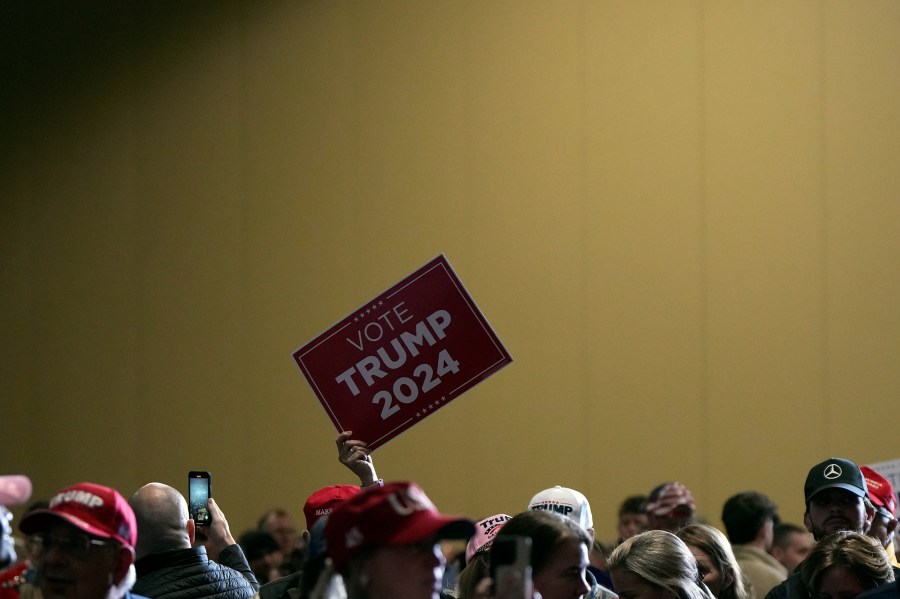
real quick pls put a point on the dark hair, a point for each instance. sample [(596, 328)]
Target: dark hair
[(633, 505), (256, 544), (745, 514), (782, 532), (861, 554), (546, 530)]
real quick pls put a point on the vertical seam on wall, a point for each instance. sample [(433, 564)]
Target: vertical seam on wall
[(587, 391), (824, 249), (243, 30), (704, 244)]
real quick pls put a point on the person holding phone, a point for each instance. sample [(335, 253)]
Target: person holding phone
[(558, 561), (181, 560)]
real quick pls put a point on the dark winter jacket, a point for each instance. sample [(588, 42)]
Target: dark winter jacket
[(190, 574)]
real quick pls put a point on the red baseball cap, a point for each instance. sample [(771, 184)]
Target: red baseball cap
[(395, 514), (94, 509), (322, 502), (881, 492)]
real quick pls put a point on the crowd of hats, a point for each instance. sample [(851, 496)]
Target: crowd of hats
[(348, 520)]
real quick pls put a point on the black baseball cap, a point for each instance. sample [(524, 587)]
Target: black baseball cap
[(835, 473)]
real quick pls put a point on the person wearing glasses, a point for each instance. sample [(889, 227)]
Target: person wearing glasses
[(83, 544)]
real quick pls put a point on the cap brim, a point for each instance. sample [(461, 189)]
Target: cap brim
[(37, 520), (855, 490), (429, 525)]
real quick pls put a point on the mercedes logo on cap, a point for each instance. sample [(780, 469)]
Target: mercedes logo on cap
[(832, 471)]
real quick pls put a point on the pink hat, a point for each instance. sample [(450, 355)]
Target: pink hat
[(395, 514), (881, 492), (323, 501), (485, 531), (94, 509), (672, 500), (14, 489)]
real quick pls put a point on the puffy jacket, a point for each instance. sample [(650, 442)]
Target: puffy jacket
[(190, 574)]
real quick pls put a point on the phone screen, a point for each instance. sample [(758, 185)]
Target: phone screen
[(199, 492), (511, 566)]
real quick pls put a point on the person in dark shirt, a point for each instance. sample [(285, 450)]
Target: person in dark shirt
[(176, 559), (836, 499)]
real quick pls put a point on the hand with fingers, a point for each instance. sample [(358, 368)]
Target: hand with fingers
[(216, 536), (354, 454)]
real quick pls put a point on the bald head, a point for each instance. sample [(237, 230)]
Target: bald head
[(162, 519)]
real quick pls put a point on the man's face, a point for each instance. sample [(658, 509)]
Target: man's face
[(835, 509), (631, 523), (798, 547), (69, 566), (563, 577), (282, 529), (411, 571)]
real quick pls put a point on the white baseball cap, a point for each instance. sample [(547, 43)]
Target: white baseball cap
[(566, 502)]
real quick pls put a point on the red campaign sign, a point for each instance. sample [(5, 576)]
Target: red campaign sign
[(403, 355)]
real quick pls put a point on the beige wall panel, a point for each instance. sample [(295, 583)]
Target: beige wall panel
[(77, 348), (300, 218), (71, 343), (521, 167), (765, 246), (862, 55), (643, 256), (190, 253), (679, 216)]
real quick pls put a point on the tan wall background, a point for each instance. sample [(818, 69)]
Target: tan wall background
[(681, 217)]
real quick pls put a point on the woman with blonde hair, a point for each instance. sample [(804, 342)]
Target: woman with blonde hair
[(715, 561), (656, 565)]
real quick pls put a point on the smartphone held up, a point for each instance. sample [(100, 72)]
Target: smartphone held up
[(511, 567), (199, 492)]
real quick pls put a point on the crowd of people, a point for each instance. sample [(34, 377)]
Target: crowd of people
[(380, 540)]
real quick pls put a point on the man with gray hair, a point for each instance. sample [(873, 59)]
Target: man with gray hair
[(82, 544), (171, 563)]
